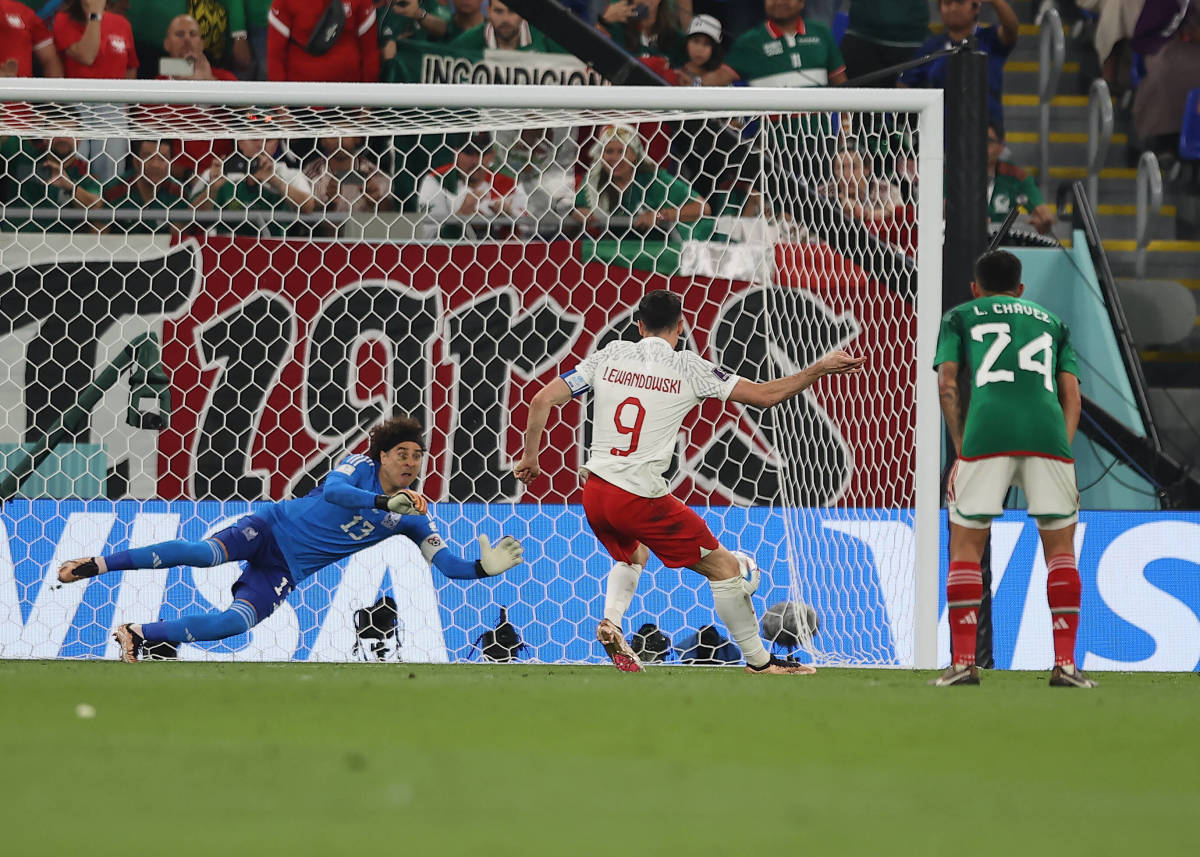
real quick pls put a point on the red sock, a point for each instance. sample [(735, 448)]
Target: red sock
[(1062, 592), (964, 591)]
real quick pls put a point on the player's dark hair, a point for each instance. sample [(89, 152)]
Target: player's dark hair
[(998, 272), (391, 432), (659, 310)]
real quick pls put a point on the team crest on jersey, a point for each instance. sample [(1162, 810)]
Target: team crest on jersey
[(118, 44), (15, 22), (391, 520)]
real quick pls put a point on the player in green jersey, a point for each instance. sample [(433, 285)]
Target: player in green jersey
[(785, 50), (1021, 417)]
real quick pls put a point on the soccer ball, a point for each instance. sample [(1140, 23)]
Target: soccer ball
[(790, 624), (751, 573)]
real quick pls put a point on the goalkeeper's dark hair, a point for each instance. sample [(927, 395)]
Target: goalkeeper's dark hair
[(659, 310), (998, 272), (391, 432)]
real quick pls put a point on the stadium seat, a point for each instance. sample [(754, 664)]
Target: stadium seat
[(1160, 312), (1189, 134), (840, 22)]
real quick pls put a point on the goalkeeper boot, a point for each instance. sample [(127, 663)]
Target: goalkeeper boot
[(130, 642), (78, 569), (1069, 676), (778, 666), (957, 674), (618, 650)]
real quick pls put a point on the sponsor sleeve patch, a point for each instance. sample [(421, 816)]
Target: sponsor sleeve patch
[(721, 374), (348, 469)]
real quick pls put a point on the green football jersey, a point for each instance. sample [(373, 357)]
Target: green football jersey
[(767, 56), (1011, 186), (1012, 350)]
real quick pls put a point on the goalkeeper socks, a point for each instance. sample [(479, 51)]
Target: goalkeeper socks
[(964, 592), (209, 626), (734, 607), (619, 589), (1063, 594), (166, 554)]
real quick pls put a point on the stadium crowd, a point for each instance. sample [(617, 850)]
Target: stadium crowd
[(516, 183)]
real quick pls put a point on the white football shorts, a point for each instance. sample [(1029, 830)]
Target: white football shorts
[(977, 488)]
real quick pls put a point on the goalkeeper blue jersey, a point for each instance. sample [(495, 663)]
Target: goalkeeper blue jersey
[(338, 518)]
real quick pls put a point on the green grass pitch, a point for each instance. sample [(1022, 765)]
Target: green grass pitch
[(296, 759)]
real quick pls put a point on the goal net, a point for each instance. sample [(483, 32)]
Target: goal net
[(212, 291)]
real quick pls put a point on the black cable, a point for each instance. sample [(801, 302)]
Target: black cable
[(1111, 465), (1129, 462)]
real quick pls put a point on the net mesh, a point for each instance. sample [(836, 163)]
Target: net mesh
[(207, 307)]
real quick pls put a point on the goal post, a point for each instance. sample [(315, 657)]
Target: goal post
[(199, 342)]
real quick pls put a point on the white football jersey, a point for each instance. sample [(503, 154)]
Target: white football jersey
[(643, 390)]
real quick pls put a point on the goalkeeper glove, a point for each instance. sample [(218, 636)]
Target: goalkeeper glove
[(403, 502), (496, 560)]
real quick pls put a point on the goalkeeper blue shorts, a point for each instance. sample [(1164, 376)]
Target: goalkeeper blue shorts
[(266, 580)]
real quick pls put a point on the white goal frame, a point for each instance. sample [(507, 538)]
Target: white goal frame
[(679, 102)]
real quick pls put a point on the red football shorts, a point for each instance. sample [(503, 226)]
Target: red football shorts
[(620, 520)]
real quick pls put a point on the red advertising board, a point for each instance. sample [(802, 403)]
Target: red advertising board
[(289, 351)]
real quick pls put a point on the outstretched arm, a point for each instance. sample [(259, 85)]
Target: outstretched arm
[(340, 491), (493, 560), (771, 393), (553, 394)]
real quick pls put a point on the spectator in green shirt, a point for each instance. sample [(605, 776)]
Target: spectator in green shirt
[(257, 177), (420, 20), (647, 28), (786, 50), (624, 184), (1012, 186), (248, 36), (505, 30), (49, 176), (147, 186)]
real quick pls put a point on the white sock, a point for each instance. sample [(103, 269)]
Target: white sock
[(619, 589), (737, 612)]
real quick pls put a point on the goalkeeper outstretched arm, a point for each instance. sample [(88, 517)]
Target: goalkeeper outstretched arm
[(340, 490), (493, 559)]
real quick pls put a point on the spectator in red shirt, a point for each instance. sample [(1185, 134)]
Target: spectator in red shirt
[(94, 43), (184, 41), (22, 37), (354, 56), (97, 44)]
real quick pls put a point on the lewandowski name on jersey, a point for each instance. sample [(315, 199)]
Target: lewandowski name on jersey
[(643, 382)]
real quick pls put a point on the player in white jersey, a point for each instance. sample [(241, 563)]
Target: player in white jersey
[(642, 393)]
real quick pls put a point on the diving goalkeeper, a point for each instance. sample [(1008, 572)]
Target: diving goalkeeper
[(363, 501)]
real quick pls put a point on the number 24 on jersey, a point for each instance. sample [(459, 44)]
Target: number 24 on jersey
[(1034, 356)]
